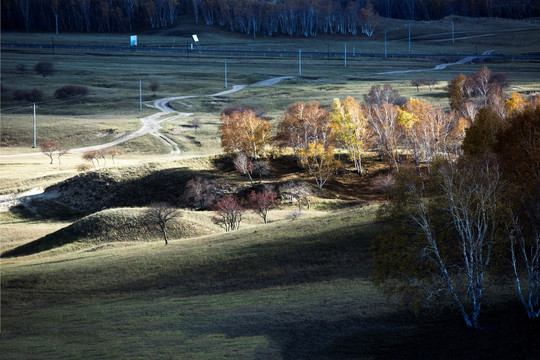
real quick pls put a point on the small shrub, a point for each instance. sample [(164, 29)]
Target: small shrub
[(69, 91), (384, 182), (293, 215), (19, 95), (83, 167), (33, 95), (44, 68)]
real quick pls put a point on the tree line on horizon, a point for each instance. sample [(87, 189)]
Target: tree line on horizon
[(269, 18)]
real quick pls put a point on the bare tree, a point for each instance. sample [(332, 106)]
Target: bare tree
[(229, 213), (195, 123), (430, 82), (244, 166), (161, 215), (154, 87), (200, 192), (91, 155), (416, 83), (52, 147), (297, 191), (385, 94), (261, 168), (262, 202), (383, 122)]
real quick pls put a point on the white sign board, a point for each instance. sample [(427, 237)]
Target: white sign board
[(133, 40), (195, 38)]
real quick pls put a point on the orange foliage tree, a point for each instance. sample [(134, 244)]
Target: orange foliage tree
[(304, 124), (243, 131)]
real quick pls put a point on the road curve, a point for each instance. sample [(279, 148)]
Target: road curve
[(152, 124)]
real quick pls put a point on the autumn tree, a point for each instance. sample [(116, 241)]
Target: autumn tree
[(319, 161), (456, 92), (430, 82), (229, 213), (304, 124), (481, 135), (243, 131), (351, 128), (114, 151), (483, 88), (161, 215), (518, 148), (430, 131), (262, 202), (369, 19), (515, 103), (444, 234)]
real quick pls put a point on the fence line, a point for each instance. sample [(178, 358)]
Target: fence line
[(277, 53)]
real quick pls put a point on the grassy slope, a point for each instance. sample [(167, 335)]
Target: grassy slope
[(193, 293), (288, 290)]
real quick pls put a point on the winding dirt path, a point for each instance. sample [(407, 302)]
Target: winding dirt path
[(465, 60), (152, 124)]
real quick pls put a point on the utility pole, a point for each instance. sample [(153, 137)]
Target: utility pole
[(299, 62), (140, 95), (345, 56), (452, 32), (385, 43), (409, 37), (225, 73), (56, 18), (34, 126)]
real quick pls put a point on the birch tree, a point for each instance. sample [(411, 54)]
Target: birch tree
[(351, 128), (383, 121), (444, 235)]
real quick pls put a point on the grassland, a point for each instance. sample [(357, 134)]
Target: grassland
[(287, 290)]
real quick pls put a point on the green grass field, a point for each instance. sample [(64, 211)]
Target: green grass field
[(297, 289)]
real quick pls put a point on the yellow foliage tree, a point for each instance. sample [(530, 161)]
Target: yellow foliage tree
[(515, 103), (350, 124), (319, 161)]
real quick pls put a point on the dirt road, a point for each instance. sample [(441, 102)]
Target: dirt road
[(152, 124)]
